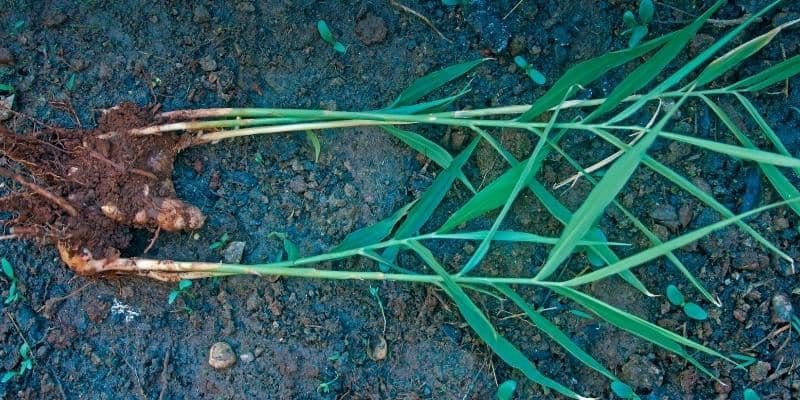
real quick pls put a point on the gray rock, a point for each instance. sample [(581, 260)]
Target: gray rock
[(208, 64), (221, 356), (782, 309), (6, 58), (201, 14), (233, 253), (664, 212)]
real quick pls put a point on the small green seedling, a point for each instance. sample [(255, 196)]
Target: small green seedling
[(13, 291), (506, 390), (6, 88), (325, 387), (70, 85), (259, 158), (453, 3), (373, 290), (535, 75), (327, 36), (746, 360), (25, 366), (222, 241), (692, 310), (315, 143), (334, 357), (291, 249), (639, 29), (623, 391), (17, 27), (750, 394), (181, 289)]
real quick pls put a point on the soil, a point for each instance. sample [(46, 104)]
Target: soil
[(118, 338)]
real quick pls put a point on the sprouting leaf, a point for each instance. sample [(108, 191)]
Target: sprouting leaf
[(7, 376), (324, 31), (315, 143), (637, 34), (629, 19), (291, 249), (220, 242), (8, 270), (428, 83), (184, 284), (70, 85), (537, 76), (173, 295), (622, 390), (6, 88), (339, 47), (13, 294), (675, 296), (694, 311), (373, 233), (746, 360), (24, 350), (521, 62), (506, 390), (646, 11), (768, 77), (750, 394), (750, 153)]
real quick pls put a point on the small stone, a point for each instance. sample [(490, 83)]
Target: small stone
[(759, 371), (233, 253), (641, 373), (221, 356), (208, 64), (371, 29), (664, 212), (685, 215), (6, 104), (782, 310), (378, 348), (53, 20), (201, 14), (246, 357), (723, 385), (517, 45), (6, 58), (779, 224), (349, 190), (298, 185), (740, 315)]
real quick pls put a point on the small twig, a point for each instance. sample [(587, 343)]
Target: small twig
[(513, 9), (138, 381), (52, 302), (421, 17), (164, 375), (152, 241), (770, 336), (40, 191), (8, 237)]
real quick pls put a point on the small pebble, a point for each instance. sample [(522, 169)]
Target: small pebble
[(759, 371), (246, 357), (378, 348), (664, 212), (297, 184), (208, 64), (201, 14), (371, 29), (782, 309), (685, 215), (233, 253), (6, 105), (221, 356), (6, 58)]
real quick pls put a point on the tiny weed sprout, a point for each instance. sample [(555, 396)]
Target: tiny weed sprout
[(13, 289), (24, 366), (506, 390), (6, 88), (290, 249), (373, 290), (327, 36), (222, 241), (325, 387), (315, 144), (639, 29), (70, 85), (746, 360), (692, 310), (750, 394), (259, 158), (533, 73), (180, 289), (623, 391), (334, 357)]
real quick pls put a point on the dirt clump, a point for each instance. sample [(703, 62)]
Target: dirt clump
[(86, 189)]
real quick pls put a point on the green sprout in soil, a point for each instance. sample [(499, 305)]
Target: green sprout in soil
[(13, 289), (746, 360), (639, 29), (623, 391), (289, 248), (327, 36), (750, 394), (373, 290), (222, 241), (535, 75), (659, 81), (6, 88), (325, 387), (181, 289), (315, 143), (506, 390), (453, 3), (24, 366), (692, 310)]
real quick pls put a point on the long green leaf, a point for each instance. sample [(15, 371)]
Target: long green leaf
[(750, 153), (484, 328), (429, 201), (429, 149), (765, 128), (768, 77), (428, 83), (648, 71), (373, 233), (601, 196), (587, 72), (737, 55), (690, 66), (515, 236), (554, 332)]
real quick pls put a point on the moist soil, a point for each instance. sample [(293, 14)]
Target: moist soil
[(117, 337)]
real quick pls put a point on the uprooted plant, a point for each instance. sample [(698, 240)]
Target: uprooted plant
[(93, 185)]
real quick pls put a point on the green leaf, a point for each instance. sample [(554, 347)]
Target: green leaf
[(8, 270), (629, 19), (694, 311), (13, 294), (184, 284), (429, 149), (750, 394), (506, 390), (173, 295), (24, 351), (587, 72), (622, 390), (537, 76), (428, 106), (514, 236), (291, 249), (646, 11), (601, 196), (637, 34), (650, 70), (315, 143), (429, 201), (734, 57), (484, 328), (428, 83), (675, 296), (766, 78), (6, 88), (325, 32), (7, 376), (554, 332), (521, 62), (750, 153), (340, 48), (765, 128), (374, 233), (70, 85)]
